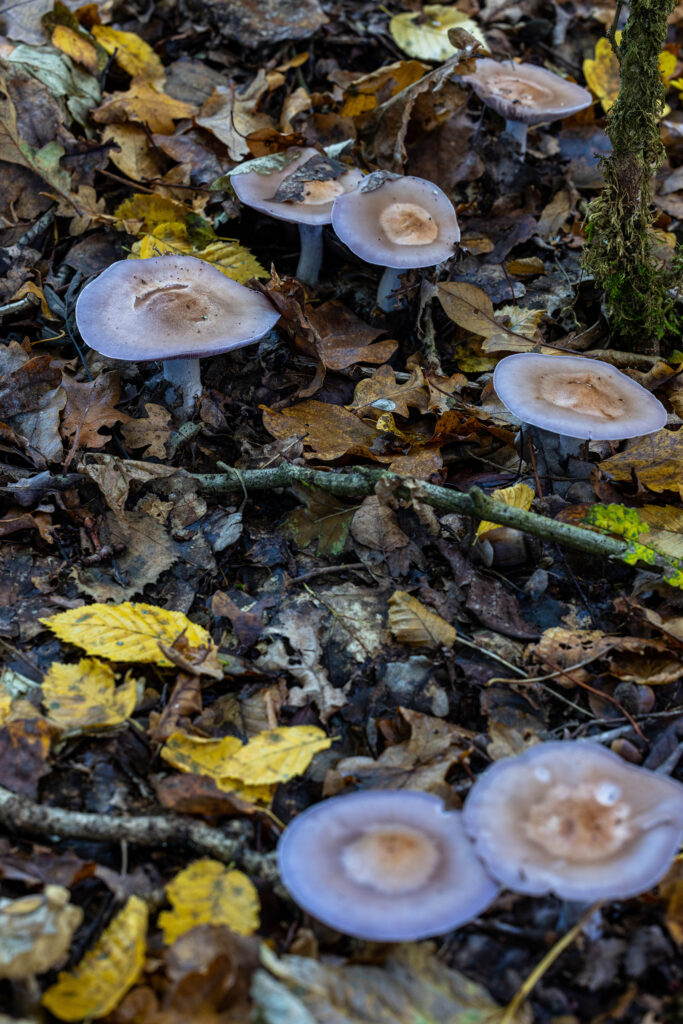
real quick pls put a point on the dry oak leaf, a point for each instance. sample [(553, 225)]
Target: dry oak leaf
[(130, 52), (36, 932), (656, 461), (128, 631), (383, 393), (150, 433), (84, 697), (144, 104), (114, 476), (329, 431), (89, 406), (345, 339), (100, 981), (196, 755), (208, 892), (412, 623)]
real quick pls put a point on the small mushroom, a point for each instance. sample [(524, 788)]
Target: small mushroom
[(566, 399), (575, 820), (396, 222), (525, 94), (384, 865), (302, 192), (175, 308)]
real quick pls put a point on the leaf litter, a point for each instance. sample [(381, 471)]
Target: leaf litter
[(184, 638)]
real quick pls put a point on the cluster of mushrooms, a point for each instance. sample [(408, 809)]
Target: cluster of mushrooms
[(568, 818)]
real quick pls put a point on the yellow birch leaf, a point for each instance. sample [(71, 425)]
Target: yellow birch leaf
[(428, 38), (127, 632), (144, 103), (277, 755), (99, 982), (130, 52), (75, 46), (197, 756), (207, 892), (85, 697), (519, 496), (412, 623), (149, 211), (226, 254)]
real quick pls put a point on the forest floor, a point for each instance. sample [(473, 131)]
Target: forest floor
[(411, 646)]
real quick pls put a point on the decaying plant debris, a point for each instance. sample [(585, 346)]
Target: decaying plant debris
[(338, 563)]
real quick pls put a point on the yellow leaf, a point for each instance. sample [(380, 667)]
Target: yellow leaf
[(197, 756), (469, 307), (207, 892), (602, 73), (127, 632), (85, 697), (361, 96), (277, 755), (144, 103), (656, 460), (148, 211), (518, 496), (226, 254), (75, 46), (130, 52), (412, 623), (100, 981), (428, 39)]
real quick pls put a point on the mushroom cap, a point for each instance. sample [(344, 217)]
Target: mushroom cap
[(384, 865), (576, 820), (526, 92), (169, 307), (576, 396), (399, 222), (259, 190)]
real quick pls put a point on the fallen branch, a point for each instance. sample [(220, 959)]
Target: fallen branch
[(19, 814), (362, 481)]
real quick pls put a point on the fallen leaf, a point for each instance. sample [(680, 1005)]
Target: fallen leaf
[(84, 697), (424, 34), (345, 339), (210, 757), (518, 496), (323, 519), (144, 104), (655, 460), (76, 46), (36, 932), (131, 53), (383, 393), (207, 892), (24, 749), (150, 433), (363, 94), (227, 255), (231, 115), (127, 632), (329, 431), (411, 623), (90, 406), (185, 700), (99, 982)]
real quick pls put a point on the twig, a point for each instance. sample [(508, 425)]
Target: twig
[(20, 814), (361, 481)]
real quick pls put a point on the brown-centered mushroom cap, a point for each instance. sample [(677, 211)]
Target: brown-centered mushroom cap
[(169, 307), (576, 820), (576, 396), (303, 191), (526, 92), (398, 222), (385, 865)]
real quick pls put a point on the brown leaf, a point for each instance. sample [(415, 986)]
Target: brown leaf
[(89, 406), (24, 747), (248, 625), (199, 794), (22, 389), (144, 104), (345, 339), (231, 115), (328, 431), (185, 700), (14, 521), (655, 460), (150, 433), (375, 526), (498, 609), (383, 393)]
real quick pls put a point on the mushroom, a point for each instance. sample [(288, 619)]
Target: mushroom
[(565, 398), (384, 865), (576, 820), (303, 192), (398, 223), (525, 94), (175, 308)]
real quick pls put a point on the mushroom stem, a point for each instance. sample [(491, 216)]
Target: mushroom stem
[(553, 452), (311, 257), (389, 282), (184, 375), (518, 131)]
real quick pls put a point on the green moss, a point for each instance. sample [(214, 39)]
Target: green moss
[(620, 250)]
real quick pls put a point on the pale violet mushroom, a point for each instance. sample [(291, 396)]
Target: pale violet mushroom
[(384, 865), (567, 399), (178, 309), (525, 94), (302, 192), (396, 222), (574, 819)]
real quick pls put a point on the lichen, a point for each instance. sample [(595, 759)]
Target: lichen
[(620, 249)]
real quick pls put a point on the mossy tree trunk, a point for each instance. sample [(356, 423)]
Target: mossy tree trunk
[(620, 252)]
